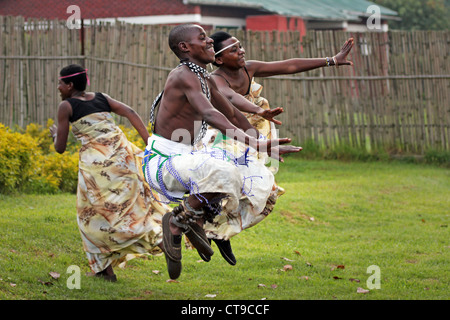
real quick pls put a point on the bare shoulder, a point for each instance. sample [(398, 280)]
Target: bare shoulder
[(179, 85), (253, 65), (218, 79), (64, 109), (182, 77), (64, 105)]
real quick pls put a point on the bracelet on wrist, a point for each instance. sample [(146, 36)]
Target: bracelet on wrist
[(328, 62)]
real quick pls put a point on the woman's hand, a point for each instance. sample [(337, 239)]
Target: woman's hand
[(341, 57), (270, 114), (53, 131)]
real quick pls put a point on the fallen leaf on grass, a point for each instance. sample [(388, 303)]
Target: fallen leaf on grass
[(156, 271), (297, 252), (355, 280), (48, 283), (361, 290), (284, 258), (54, 275), (304, 277), (12, 284), (274, 286), (287, 267), (210, 295), (337, 278), (262, 285), (341, 266)]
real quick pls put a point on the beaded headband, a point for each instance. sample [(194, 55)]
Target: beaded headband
[(223, 49), (75, 74)]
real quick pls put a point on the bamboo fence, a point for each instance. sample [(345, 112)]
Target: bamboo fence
[(395, 97)]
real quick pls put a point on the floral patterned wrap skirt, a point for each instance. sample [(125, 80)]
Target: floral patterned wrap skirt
[(116, 211)]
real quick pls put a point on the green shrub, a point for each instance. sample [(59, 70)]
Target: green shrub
[(30, 164), (61, 170), (41, 136), (19, 159), (441, 158)]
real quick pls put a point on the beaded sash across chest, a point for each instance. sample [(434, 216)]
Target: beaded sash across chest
[(202, 74)]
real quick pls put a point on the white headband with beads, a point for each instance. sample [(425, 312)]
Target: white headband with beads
[(223, 49)]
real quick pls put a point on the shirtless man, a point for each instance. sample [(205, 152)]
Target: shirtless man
[(172, 165)]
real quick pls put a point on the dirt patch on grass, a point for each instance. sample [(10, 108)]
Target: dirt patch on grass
[(296, 217)]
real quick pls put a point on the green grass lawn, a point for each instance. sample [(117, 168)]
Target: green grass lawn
[(335, 221)]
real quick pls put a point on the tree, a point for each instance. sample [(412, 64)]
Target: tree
[(419, 14)]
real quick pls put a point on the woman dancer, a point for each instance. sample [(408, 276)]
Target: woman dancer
[(234, 78), (116, 213), (234, 75)]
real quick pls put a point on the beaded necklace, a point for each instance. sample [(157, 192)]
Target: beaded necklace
[(201, 74)]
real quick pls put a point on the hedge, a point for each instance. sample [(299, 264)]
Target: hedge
[(30, 164)]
